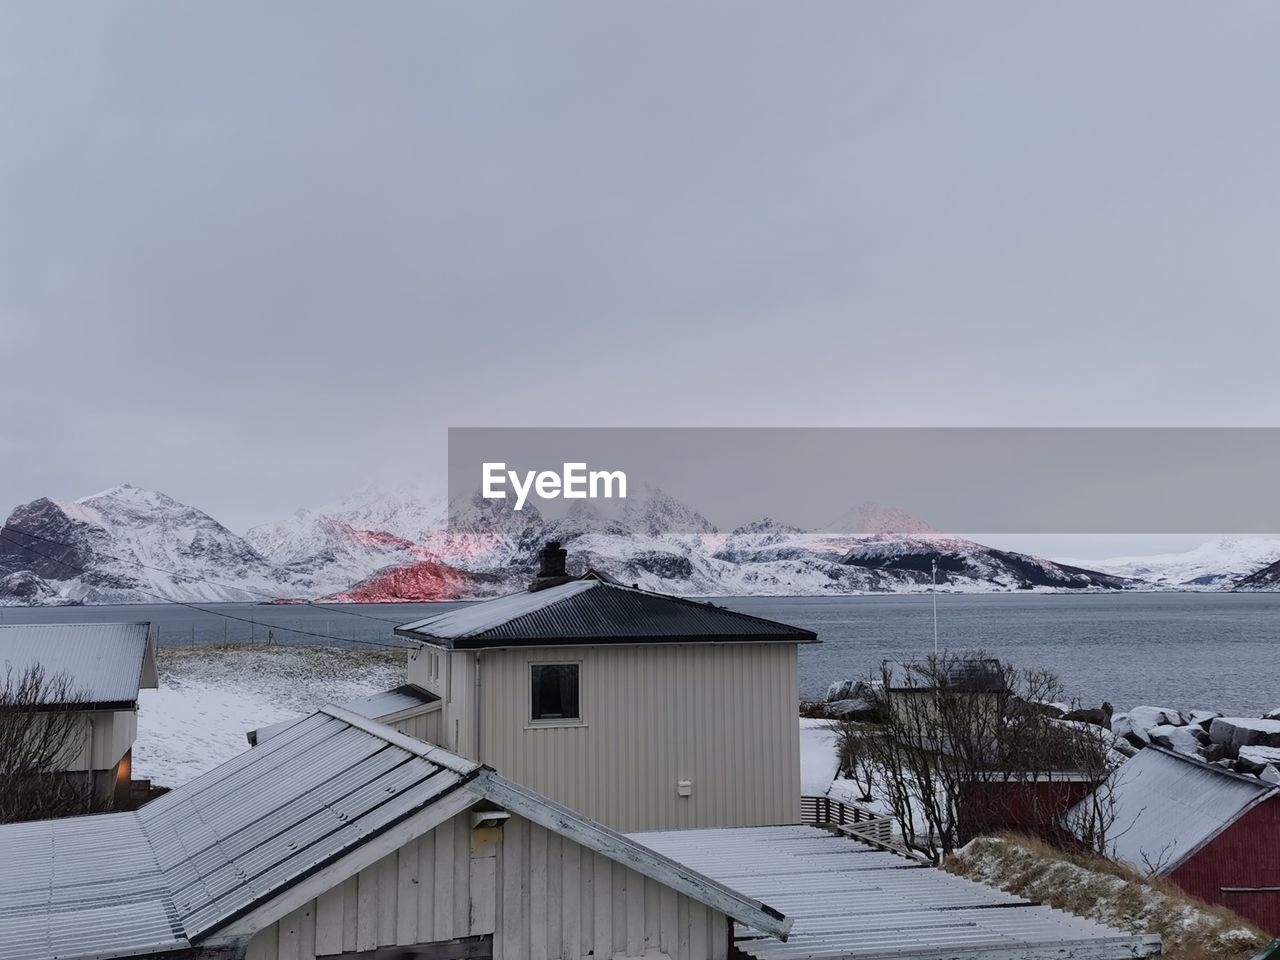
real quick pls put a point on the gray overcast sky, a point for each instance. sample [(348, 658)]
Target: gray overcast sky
[(256, 254)]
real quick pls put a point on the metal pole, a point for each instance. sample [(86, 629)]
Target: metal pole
[(933, 590)]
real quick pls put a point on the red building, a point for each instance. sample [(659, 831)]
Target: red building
[(1214, 833)]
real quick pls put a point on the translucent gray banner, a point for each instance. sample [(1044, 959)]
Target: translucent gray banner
[(872, 480)]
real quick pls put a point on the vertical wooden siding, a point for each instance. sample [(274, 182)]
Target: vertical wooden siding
[(104, 737), (424, 726), (1245, 856), (722, 716), (541, 895)]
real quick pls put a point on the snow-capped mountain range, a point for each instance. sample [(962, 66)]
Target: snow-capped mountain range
[(128, 544), (1216, 564)]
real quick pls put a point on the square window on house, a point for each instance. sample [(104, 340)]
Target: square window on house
[(554, 691)]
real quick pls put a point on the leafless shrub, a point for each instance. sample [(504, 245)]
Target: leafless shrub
[(856, 759), (966, 746), (40, 735)]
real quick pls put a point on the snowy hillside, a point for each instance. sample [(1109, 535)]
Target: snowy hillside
[(368, 517), (1268, 578), (129, 545), (963, 564), (1216, 564)]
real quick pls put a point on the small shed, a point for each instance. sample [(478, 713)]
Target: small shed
[(105, 666), (1213, 832)]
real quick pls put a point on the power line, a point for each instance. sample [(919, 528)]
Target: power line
[(191, 578), (206, 610)]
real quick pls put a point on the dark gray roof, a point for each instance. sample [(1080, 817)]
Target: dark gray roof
[(966, 675), (595, 612), (105, 663)]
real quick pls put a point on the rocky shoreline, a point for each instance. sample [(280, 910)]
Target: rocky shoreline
[(1245, 745)]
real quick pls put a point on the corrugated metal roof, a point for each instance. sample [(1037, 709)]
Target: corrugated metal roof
[(376, 706), (1167, 806), (82, 886), (201, 855), (388, 703), (106, 663), (594, 612), (849, 900)]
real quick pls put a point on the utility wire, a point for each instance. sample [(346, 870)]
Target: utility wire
[(194, 579), (216, 613)]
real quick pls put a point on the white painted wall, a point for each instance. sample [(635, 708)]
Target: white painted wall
[(543, 897), (722, 716), (103, 737), (423, 726)]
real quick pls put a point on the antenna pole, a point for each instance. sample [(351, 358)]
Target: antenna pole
[(933, 590)]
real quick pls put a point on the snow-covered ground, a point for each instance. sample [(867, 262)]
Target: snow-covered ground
[(818, 761), (210, 697)]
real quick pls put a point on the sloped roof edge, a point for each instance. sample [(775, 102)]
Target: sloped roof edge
[(629, 853), (576, 613)]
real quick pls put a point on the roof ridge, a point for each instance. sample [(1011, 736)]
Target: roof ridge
[(82, 623), (690, 601), (596, 611), (428, 751), (1262, 786)]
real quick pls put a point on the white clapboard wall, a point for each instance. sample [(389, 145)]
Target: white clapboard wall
[(541, 895)]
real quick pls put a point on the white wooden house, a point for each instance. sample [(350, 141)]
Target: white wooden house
[(104, 665), (644, 711), (339, 836)]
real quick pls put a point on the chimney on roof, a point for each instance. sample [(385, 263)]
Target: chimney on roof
[(551, 567)]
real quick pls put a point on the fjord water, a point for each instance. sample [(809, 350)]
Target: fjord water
[(1218, 651)]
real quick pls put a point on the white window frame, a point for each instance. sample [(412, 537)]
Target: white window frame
[(579, 720)]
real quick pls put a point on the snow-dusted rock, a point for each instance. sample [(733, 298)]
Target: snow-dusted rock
[(1125, 730), (1236, 732), (1270, 774), (1273, 715), (853, 708), (1183, 739), (1124, 747), (839, 690), (1256, 759), (1202, 717), (1144, 718)]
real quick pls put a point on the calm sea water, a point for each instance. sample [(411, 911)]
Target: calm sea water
[(1218, 651)]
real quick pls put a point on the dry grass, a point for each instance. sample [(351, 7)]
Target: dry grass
[(1090, 886), (294, 661)]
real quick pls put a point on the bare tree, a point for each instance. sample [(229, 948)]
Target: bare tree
[(40, 735), (967, 744)]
